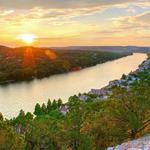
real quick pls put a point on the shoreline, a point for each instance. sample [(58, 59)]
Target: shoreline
[(8, 82), (124, 82), (16, 95)]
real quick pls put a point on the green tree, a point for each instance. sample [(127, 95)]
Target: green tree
[(49, 105), (44, 133), (9, 139), (38, 110), (74, 122), (44, 109), (59, 102), (54, 105), (1, 117), (130, 110), (29, 116)]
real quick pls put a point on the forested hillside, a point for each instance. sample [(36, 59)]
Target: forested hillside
[(17, 64)]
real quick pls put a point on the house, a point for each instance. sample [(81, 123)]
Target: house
[(19, 128), (64, 109), (98, 91), (105, 97), (83, 97), (115, 83), (101, 92), (95, 91)]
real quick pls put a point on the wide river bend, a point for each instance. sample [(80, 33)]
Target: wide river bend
[(25, 95)]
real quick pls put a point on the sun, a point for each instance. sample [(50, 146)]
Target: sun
[(27, 38)]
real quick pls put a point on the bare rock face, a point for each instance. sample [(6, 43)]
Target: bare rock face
[(139, 144)]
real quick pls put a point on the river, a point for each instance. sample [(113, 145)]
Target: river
[(25, 95)]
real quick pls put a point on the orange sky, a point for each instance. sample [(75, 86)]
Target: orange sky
[(75, 22)]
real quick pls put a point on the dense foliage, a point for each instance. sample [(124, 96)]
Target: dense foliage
[(17, 64), (90, 125)]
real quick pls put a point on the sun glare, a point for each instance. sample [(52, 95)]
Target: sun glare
[(27, 38)]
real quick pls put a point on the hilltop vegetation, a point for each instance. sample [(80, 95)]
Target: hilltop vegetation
[(17, 64), (87, 125)]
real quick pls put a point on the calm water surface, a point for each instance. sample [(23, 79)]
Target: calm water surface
[(26, 94)]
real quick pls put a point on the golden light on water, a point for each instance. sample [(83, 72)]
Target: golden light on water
[(27, 38)]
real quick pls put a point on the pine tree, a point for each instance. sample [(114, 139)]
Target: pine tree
[(49, 105), (44, 109), (54, 105), (59, 102), (38, 110)]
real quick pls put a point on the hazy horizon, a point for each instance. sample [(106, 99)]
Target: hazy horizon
[(34, 46)]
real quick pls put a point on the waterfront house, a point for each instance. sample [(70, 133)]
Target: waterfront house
[(83, 97), (64, 109)]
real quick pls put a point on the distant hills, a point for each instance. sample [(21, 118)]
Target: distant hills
[(92, 48), (108, 48)]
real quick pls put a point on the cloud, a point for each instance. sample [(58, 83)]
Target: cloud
[(140, 21), (143, 18), (143, 3), (57, 16), (6, 12), (63, 13), (28, 4), (19, 11)]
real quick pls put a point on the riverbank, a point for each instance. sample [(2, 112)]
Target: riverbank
[(15, 96), (28, 63), (90, 124), (125, 82)]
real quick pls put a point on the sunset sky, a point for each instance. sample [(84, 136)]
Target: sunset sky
[(75, 22)]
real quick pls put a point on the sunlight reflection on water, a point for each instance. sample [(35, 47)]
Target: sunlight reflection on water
[(26, 94)]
